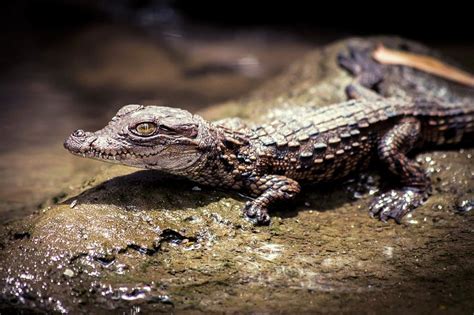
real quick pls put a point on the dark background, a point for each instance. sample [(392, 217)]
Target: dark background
[(443, 21), (50, 20)]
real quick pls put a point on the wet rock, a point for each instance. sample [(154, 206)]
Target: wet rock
[(144, 241)]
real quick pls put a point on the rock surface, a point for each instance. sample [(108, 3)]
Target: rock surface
[(131, 241)]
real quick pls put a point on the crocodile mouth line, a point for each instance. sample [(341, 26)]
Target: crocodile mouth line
[(113, 156)]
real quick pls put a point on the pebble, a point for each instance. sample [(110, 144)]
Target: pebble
[(68, 273), (463, 206)]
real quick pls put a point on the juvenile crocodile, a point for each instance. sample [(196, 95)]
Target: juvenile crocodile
[(389, 114)]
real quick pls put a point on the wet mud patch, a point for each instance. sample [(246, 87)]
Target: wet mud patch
[(200, 254)]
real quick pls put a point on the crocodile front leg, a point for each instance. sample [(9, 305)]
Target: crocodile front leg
[(268, 188), (416, 185)]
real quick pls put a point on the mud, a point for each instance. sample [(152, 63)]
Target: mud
[(139, 241)]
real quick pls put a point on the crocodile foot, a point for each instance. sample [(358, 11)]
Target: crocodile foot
[(358, 61), (396, 204), (256, 213)]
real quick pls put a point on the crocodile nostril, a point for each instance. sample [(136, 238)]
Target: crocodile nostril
[(79, 133)]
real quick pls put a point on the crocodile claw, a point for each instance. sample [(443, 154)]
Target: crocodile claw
[(395, 204), (256, 214)]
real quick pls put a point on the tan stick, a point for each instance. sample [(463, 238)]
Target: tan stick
[(424, 63)]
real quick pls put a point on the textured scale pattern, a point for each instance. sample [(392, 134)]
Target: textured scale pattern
[(387, 115)]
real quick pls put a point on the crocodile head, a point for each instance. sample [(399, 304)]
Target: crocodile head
[(154, 137)]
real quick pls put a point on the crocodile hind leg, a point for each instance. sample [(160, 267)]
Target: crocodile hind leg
[(358, 61), (416, 186), (268, 189)]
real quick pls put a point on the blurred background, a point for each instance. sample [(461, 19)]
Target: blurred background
[(72, 64)]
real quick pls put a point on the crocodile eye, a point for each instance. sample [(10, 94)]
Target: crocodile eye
[(145, 129)]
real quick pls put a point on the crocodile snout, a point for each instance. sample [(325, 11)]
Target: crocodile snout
[(79, 141)]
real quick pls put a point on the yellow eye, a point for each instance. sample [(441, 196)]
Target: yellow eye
[(145, 129)]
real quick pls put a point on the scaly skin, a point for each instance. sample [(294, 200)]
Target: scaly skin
[(297, 145)]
